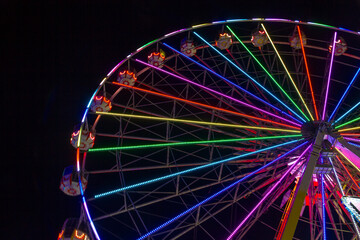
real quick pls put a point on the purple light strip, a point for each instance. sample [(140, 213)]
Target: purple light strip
[(267, 194), (329, 77), (352, 139), (216, 92)]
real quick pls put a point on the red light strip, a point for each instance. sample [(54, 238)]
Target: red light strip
[(204, 105), (308, 74)]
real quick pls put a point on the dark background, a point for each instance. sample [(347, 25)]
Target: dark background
[(54, 56)]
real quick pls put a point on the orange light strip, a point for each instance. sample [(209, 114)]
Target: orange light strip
[(204, 105), (308, 74)]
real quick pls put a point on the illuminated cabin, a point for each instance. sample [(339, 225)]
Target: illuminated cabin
[(70, 182), (224, 41), (188, 47), (100, 104)]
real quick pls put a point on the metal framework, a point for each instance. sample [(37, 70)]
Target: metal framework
[(196, 148)]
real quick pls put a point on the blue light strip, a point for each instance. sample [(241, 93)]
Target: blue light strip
[(191, 170), (216, 194), (347, 112), (343, 96), (247, 75), (237, 86), (356, 145)]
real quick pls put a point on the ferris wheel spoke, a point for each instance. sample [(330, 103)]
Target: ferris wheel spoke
[(350, 110), (347, 123), (214, 195), (348, 129), (352, 139), (271, 189), (329, 76), (290, 77), (194, 169), (344, 94), (272, 78), (203, 105), (308, 72), (216, 92), (233, 84), (195, 122), (208, 142), (251, 78)]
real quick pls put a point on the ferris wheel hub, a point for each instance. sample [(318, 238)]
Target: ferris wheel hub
[(311, 128)]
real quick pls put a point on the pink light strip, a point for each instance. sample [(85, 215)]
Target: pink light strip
[(352, 139), (329, 77), (216, 92), (267, 194)]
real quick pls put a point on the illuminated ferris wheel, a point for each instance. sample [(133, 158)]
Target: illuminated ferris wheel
[(237, 129)]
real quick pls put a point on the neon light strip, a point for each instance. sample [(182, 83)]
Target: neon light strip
[(216, 194), (266, 195), (352, 139), (343, 96), (192, 169), (329, 77), (356, 145), (347, 112), (267, 72), (348, 129), (209, 89), (347, 123), (323, 206), (308, 73), (292, 80), (195, 122), (352, 164), (247, 75), (237, 86), (82, 194), (189, 143), (203, 105)]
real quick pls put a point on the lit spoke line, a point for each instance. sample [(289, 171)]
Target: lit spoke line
[(189, 143), (237, 86), (247, 75), (308, 73), (213, 91), (193, 169), (216, 194), (356, 105), (329, 76), (195, 122), (352, 139), (347, 123), (347, 159), (348, 129), (273, 79), (267, 194), (203, 105), (356, 145), (323, 204), (343, 96)]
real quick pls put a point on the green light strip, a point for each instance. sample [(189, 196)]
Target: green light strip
[(271, 77), (351, 121), (189, 143)]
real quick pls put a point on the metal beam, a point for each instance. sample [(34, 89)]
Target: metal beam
[(303, 188)]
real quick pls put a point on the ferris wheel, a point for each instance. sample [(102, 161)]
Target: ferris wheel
[(237, 129)]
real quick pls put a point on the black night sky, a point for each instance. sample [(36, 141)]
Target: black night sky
[(55, 55)]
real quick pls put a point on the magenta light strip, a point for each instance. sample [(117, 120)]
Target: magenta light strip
[(352, 139), (329, 76), (267, 194), (216, 92)]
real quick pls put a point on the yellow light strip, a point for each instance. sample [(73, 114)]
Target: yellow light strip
[(288, 73), (348, 129), (195, 122), (352, 164)]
